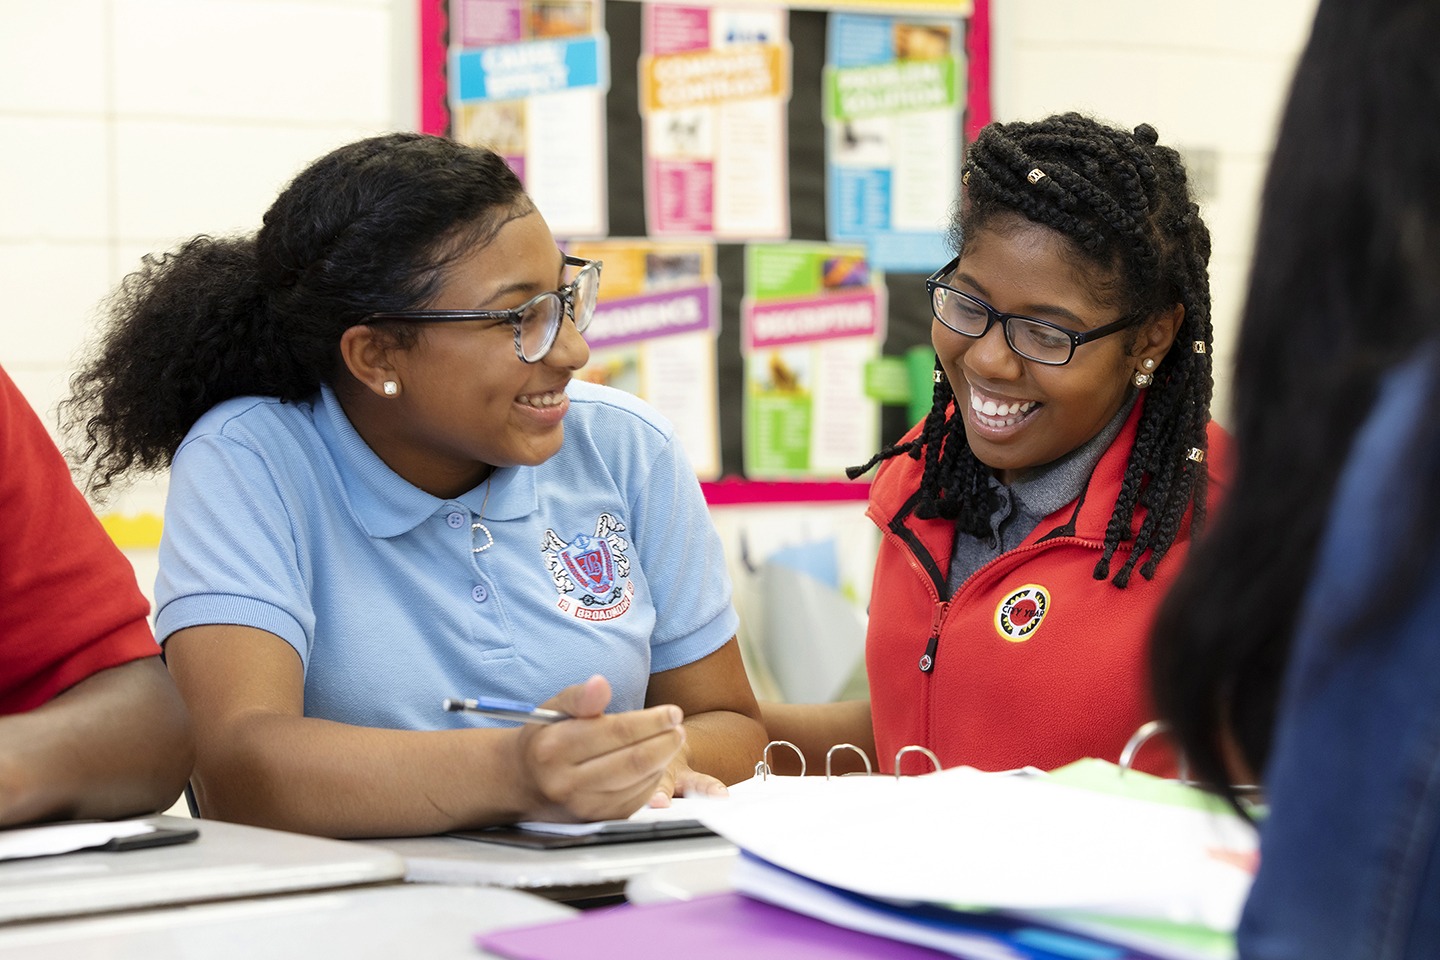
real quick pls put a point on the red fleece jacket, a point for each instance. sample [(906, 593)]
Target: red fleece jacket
[(69, 605), (1033, 661)]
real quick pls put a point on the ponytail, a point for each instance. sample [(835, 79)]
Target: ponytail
[(189, 330)]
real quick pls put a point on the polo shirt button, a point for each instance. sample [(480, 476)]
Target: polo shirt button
[(456, 520), (479, 594)]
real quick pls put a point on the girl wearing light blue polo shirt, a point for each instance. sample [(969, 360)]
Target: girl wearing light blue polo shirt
[(386, 490)]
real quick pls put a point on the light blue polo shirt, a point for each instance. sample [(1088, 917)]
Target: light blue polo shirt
[(280, 517)]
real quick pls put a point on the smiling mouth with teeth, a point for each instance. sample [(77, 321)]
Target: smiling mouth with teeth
[(992, 414), (542, 399)]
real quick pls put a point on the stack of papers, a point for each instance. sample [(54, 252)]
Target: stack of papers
[(1000, 866)]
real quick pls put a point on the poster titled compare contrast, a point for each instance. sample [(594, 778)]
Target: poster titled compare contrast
[(714, 85)]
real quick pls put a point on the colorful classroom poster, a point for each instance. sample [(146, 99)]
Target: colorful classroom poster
[(893, 107), (714, 83), (529, 82), (654, 333), (813, 315)]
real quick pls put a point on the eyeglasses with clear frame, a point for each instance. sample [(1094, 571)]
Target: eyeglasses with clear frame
[(536, 321), (1032, 338)]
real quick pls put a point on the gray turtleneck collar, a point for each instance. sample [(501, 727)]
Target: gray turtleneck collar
[(1023, 504)]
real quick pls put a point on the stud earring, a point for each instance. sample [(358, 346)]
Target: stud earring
[(1142, 380), (390, 387), (1148, 364)]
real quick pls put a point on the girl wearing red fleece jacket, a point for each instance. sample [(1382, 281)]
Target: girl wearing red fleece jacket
[(1069, 447)]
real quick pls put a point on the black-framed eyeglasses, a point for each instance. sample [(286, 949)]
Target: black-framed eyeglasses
[(537, 320), (1031, 337)]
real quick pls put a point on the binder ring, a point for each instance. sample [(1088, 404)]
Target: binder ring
[(1148, 730), (915, 748), (762, 769), (847, 746), (1139, 738)]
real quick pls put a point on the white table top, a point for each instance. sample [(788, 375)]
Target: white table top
[(397, 920), (228, 861)]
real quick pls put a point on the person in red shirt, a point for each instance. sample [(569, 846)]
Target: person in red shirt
[(91, 725), (1033, 520)]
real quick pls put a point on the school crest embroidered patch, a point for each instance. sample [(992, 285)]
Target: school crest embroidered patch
[(1020, 614), (591, 573)]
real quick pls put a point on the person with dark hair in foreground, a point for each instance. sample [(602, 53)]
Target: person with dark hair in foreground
[(386, 491), (1301, 647), (91, 725), (1036, 516)]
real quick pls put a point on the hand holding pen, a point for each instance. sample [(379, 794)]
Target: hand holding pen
[(592, 766)]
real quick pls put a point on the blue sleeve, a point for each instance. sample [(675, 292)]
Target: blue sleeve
[(684, 563), (229, 553), (1350, 851)]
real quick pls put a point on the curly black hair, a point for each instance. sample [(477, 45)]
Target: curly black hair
[(369, 227), (1125, 204)]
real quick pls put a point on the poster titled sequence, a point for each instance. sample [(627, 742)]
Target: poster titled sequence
[(654, 334)]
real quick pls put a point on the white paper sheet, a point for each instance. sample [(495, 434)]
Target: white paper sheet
[(682, 810), (66, 837), (965, 838)]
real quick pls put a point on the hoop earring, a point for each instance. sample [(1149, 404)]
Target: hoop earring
[(391, 388)]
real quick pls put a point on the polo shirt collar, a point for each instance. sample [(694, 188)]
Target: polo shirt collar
[(384, 504)]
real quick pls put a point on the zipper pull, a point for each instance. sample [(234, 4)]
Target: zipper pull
[(927, 659)]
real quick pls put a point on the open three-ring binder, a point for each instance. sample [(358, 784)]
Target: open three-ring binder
[(1094, 859), (764, 770)]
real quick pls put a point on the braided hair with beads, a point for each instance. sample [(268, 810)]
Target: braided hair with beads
[(1124, 202)]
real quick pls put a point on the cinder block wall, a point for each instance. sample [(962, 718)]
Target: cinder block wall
[(1210, 77)]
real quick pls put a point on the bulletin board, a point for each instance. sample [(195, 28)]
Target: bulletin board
[(908, 320)]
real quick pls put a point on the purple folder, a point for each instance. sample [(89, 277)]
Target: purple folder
[(719, 927)]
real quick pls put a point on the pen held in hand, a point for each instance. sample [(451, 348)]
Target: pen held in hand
[(499, 709)]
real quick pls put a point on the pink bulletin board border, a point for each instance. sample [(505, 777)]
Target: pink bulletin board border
[(977, 56), (434, 48), (735, 491)]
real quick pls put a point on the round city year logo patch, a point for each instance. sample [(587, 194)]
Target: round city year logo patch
[(1020, 614)]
